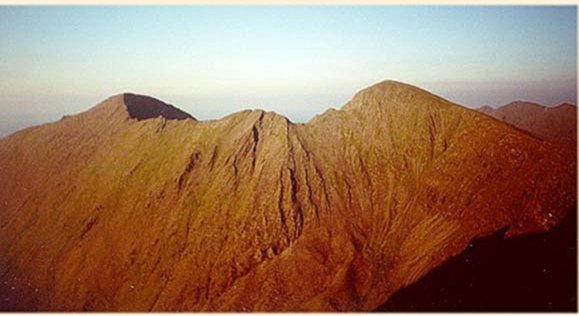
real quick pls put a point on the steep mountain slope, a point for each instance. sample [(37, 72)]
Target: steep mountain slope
[(557, 124), (527, 273), (111, 210)]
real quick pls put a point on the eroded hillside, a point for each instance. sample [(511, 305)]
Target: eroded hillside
[(136, 206)]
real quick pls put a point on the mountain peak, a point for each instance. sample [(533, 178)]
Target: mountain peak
[(557, 123), (142, 107), (566, 105), (486, 109), (395, 94), (135, 106), (389, 87), (523, 104)]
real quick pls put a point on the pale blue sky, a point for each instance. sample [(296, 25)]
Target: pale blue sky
[(297, 61)]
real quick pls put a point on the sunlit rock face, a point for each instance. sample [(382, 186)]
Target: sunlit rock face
[(123, 208)]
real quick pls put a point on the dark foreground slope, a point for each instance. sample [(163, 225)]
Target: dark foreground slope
[(105, 211), (529, 273)]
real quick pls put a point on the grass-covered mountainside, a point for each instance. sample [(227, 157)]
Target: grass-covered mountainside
[(136, 206)]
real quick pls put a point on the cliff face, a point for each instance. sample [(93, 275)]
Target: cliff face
[(556, 124), (110, 210)]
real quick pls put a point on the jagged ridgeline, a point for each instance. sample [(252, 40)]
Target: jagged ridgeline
[(136, 206)]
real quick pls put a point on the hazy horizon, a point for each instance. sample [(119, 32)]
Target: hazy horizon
[(299, 61)]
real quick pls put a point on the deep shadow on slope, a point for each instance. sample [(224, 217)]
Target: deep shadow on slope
[(142, 107), (526, 273)]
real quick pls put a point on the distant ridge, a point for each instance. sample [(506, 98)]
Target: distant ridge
[(557, 124)]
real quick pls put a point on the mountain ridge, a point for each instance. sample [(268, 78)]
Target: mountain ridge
[(555, 124), (255, 213), (386, 87)]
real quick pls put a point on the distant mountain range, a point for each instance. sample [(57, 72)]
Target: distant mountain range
[(556, 124), (134, 205)]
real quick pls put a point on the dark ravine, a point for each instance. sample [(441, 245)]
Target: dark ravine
[(531, 273)]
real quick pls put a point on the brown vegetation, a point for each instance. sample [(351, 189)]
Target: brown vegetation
[(108, 211)]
